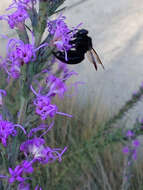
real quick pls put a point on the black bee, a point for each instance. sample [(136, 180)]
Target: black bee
[(81, 45)]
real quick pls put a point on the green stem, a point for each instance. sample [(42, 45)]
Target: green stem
[(22, 33), (127, 106), (42, 21), (22, 110)]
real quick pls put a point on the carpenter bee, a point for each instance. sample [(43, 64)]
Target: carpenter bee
[(81, 45)]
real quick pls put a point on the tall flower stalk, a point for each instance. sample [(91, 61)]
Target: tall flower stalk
[(30, 87)]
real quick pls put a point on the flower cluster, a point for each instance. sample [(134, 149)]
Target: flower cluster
[(18, 54), (35, 147), (56, 86), (44, 108), (16, 18), (7, 128), (18, 173), (19, 16), (132, 148), (61, 32), (23, 62), (62, 35)]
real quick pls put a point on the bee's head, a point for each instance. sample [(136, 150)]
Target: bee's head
[(81, 32)]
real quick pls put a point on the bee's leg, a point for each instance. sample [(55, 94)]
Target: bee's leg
[(73, 57)]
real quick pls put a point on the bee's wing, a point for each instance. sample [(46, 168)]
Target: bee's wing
[(91, 58), (94, 58), (97, 57)]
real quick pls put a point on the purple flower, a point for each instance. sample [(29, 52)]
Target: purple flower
[(134, 155), (6, 129), (46, 111), (132, 149), (44, 155), (38, 188), (16, 174), (14, 70), (129, 133), (126, 150), (56, 85), (141, 121), (33, 146), (49, 155), (19, 171), (42, 127), (62, 35), (27, 167), (44, 108), (42, 101), (23, 186), (19, 54), (136, 143), (61, 32), (16, 18), (66, 73)]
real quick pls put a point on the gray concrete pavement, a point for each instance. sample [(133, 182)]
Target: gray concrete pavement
[(116, 28)]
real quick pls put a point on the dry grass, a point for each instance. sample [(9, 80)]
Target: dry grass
[(90, 163)]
